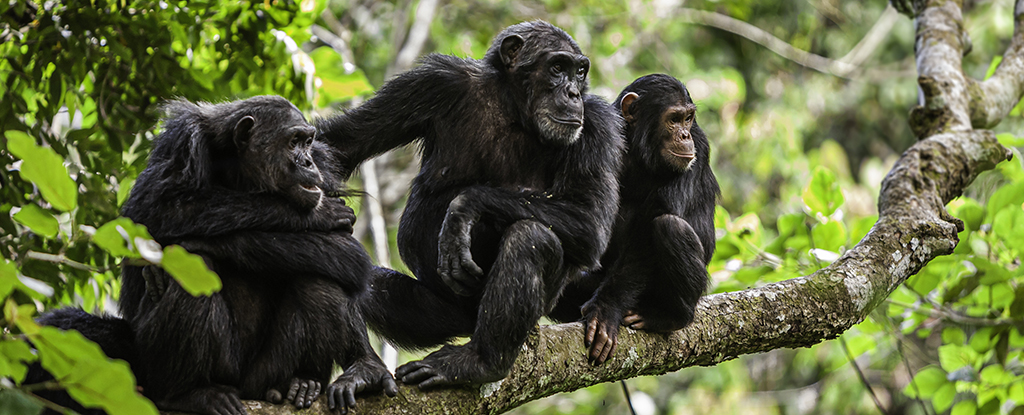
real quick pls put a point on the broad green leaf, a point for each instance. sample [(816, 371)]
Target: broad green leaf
[(822, 194), (118, 236), (8, 278), (926, 382), (995, 375), (1008, 224), (40, 221), (124, 189), (1010, 140), (953, 357), (89, 376), (830, 235), (1010, 194), (990, 273), (337, 84), (967, 407), (14, 354), (953, 335), (981, 340), (190, 271), (45, 169), (943, 397), (971, 212)]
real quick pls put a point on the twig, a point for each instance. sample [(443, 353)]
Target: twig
[(860, 374), (63, 260)]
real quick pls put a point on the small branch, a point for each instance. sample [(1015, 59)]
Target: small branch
[(763, 38), (996, 96), (863, 379), (63, 260)]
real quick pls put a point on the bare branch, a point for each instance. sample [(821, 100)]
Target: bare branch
[(996, 96)]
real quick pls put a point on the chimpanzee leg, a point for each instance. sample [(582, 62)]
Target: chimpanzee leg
[(317, 325), (669, 301), (521, 286), (409, 314), (188, 347)]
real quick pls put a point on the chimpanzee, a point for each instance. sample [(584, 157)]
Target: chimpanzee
[(243, 184), (515, 196), (655, 268)]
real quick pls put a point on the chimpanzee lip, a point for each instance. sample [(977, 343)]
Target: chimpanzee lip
[(567, 121), (311, 188), (683, 155)]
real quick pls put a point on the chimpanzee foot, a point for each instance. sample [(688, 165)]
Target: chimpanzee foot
[(452, 365), (213, 400), (301, 393), (601, 333), (365, 375), (635, 321)]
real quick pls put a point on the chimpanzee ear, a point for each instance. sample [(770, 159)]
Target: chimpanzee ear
[(627, 100), (510, 47), (242, 131)]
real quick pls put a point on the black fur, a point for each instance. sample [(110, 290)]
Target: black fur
[(655, 268), (516, 196), (245, 185)]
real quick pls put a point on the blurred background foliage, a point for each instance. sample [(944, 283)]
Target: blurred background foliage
[(800, 150)]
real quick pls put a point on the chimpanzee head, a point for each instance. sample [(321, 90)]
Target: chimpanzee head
[(548, 73), (261, 144), (661, 125)]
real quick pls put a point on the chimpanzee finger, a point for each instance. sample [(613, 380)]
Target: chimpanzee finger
[(350, 397), (293, 390), (609, 348), (588, 338), (299, 399), (390, 386), (314, 392), (468, 265)]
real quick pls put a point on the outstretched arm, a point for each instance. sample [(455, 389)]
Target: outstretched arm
[(398, 114)]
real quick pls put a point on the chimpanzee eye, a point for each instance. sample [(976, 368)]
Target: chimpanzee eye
[(556, 68), (309, 141), (581, 72)]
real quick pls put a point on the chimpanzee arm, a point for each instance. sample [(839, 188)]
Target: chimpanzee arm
[(217, 211), (398, 114), (333, 256), (580, 208)]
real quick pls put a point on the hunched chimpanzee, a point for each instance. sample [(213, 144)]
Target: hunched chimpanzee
[(655, 268), (516, 195), (246, 186)]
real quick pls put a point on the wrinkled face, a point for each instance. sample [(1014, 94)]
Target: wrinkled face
[(277, 153), (557, 101), (677, 143)]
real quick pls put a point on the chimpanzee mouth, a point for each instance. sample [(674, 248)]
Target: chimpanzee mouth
[(311, 189), (567, 121), (682, 155)]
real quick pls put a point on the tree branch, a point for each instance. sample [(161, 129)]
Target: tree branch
[(996, 96)]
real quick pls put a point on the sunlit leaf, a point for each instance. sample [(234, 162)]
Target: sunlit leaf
[(926, 382), (45, 169), (40, 221), (118, 236), (190, 271), (822, 194)]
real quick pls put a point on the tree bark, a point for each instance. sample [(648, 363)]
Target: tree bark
[(913, 228)]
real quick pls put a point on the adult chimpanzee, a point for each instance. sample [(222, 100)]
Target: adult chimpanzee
[(243, 184), (655, 268), (516, 195)]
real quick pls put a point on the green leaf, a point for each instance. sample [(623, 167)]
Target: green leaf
[(190, 271), (968, 407), (953, 335), (124, 189), (40, 221), (822, 194), (118, 237), (336, 84), (89, 376), (1010, 194), (8, 278), (943, 397), (971, 212), (953, 357), (1010, 140), (829, 236), (14, 354), (995, 375), (45, 169), (1008, 224), (926, 382)]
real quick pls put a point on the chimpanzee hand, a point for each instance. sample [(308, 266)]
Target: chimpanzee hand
[(332, 215), (301, 392), (455, 261), (365, 375), (156, 282), (602, 330)]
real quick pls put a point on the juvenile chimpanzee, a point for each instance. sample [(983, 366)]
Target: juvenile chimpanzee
[(243, 184), (655, 268), (516, 195)]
